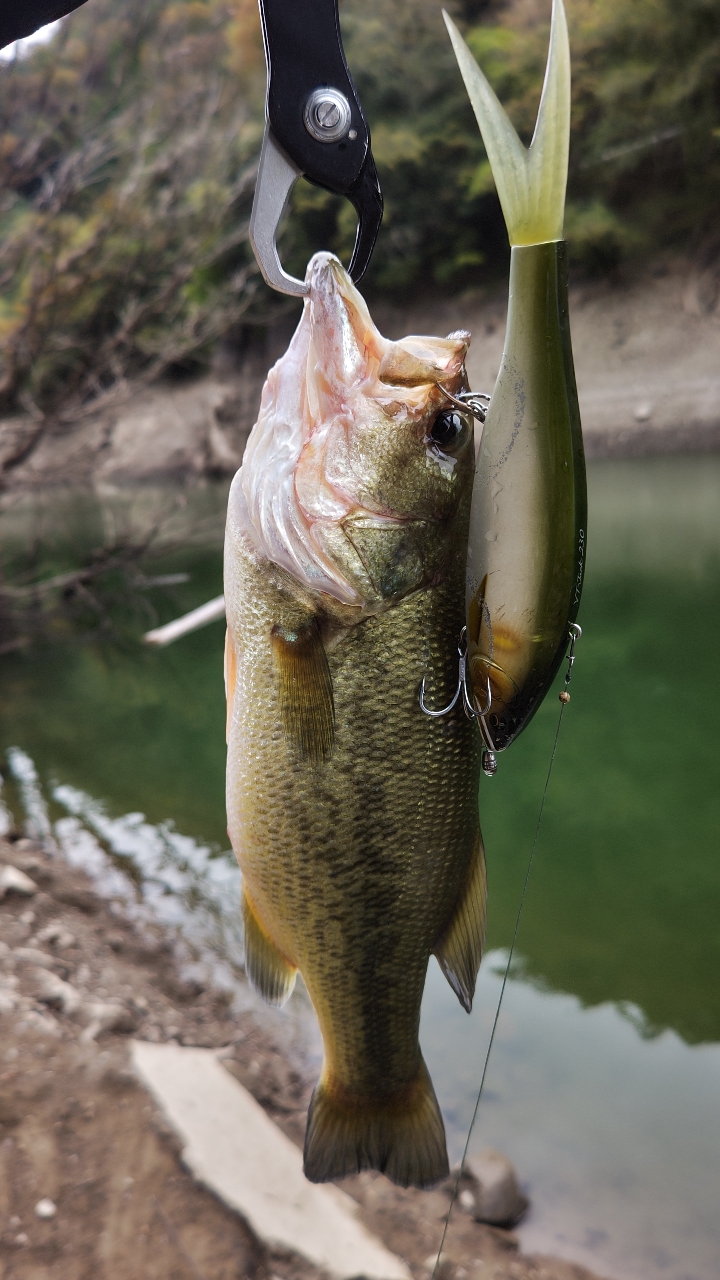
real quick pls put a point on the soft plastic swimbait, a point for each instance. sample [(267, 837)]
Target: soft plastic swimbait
[(528, 523)]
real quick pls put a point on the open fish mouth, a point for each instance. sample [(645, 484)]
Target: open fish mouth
[(339, 448)]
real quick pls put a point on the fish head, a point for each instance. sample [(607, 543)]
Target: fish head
[(360, 465)]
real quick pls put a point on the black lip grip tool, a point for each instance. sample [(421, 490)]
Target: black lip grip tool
[(315, 128), (21, 18)]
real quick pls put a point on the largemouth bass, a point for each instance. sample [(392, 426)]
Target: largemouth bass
[(353, 815)]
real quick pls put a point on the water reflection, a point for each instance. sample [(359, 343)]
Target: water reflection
[(151, 872), (617, 1137), (625, 893)]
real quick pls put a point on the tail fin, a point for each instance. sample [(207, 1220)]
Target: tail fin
[(530, 181), (403, 1138)]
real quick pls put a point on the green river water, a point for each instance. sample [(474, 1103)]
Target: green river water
[(604, 1085)]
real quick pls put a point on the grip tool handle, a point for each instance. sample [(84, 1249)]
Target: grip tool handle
[(315, 128)]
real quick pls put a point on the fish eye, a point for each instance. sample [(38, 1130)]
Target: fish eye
[(450, 429)]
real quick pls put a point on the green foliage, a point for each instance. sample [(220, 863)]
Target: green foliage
[(645, 147), (645, 153), (127, 162), (128, 150)]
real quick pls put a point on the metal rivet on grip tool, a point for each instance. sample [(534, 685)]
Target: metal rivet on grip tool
[(327, 115)]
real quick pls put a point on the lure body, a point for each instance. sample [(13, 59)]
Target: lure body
[(354, 816), (528, 527)]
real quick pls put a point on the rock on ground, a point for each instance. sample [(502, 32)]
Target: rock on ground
[(233, 1147), (14, 881), (493, 1188)]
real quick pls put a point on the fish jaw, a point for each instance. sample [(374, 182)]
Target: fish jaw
[(341, 441)]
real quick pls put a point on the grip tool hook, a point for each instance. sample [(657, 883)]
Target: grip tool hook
[(314, 128)]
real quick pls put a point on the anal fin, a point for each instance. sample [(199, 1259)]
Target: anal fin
[(268, 972), (306, 692), (460, 946)]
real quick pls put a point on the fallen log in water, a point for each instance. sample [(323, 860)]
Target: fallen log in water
[(199, 617)]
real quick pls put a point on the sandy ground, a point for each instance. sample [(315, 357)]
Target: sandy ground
[(77, 979), (647, 356)]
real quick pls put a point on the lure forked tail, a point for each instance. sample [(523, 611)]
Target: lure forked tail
[(528, 526)]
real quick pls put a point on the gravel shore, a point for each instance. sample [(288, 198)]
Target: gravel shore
[(91, 1179)]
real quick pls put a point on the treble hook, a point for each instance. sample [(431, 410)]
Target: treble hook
[(472, 400), (473, 712), (462, 655), (488, 760)]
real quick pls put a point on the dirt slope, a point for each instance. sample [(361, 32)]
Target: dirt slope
[(77, 978), (648, 363)]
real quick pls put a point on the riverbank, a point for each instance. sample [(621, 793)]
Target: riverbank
[(646, 357), (646, 352), (91, 1176)]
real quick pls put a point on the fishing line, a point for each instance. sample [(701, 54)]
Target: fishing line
[(575, 633)]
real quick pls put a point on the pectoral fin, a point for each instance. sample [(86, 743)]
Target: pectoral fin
[(459, 949), (306, 692), (268, 972)]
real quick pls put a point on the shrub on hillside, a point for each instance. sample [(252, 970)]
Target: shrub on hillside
[(127, 165), (128, 149)]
